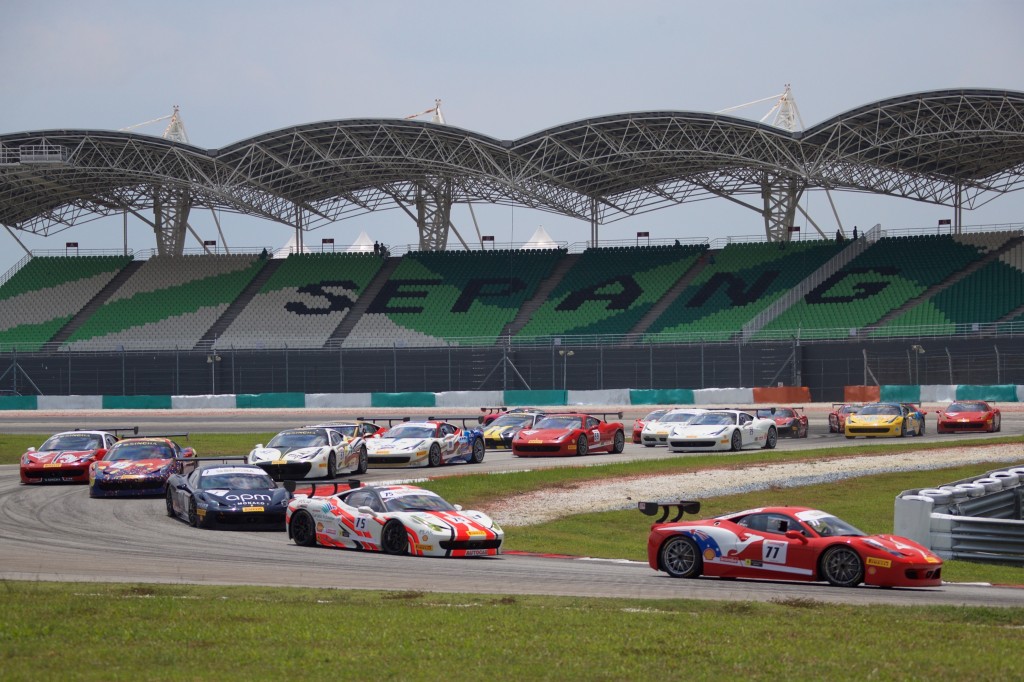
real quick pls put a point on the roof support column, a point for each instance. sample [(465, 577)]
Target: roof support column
[(433, 215), (170, 217), (781, 197), (594, 234)]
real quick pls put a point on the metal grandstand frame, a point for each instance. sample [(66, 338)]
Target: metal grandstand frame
[(959, 148)]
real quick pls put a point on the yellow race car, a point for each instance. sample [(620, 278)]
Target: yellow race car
[(499, 433), (880, 420)]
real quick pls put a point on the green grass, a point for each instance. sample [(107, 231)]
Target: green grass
[(185, 632)]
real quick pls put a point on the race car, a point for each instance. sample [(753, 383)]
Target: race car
[(227, 495), (309, 452), (969, 415), (394, 519), (499, 433), (428, 443), (640, 422), (724, 430), (885, 419), (789, 421), (139, 466), (560, 435), (65, 457), (784, 543), (656, 432), (492, 413), (837, 417)]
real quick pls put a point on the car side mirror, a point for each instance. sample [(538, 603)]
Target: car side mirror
[(796, 535), (366, 510), (31, 448), (458, 507), (259, 446)]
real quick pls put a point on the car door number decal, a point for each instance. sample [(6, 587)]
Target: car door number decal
[(360, 523), (597, 435), (774, 551)]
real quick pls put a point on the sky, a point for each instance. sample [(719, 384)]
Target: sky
[(238, 69)]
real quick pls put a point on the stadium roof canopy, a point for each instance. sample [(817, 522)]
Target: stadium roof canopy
[(960, 148)]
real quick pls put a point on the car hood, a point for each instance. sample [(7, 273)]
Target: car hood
[(463, 523), (496, 431), (59, 456), (545, 434), (272, 454), (904, 547), (247, 497), (873, 418), (376, 444), (965, 415), (142, 467), (700, 429)]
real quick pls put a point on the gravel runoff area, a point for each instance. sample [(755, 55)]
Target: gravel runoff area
[(624, 493)]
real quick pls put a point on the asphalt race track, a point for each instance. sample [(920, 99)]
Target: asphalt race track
[(59, 533)]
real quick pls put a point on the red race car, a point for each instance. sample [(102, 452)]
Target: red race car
[(837, 417), (561, 435), (970, 415), (789, 421), (640, 422), (65, 457), (784, 543)]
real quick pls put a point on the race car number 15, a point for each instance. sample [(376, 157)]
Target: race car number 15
[(773, 551)]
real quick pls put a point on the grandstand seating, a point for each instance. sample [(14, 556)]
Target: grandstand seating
[(608, 290), (445, 295), (743, 279), (883, 278), (43, 295), (169, 302), (303, 302)]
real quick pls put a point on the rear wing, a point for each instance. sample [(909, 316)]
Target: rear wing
[(681, 507), (326, 488), (164, 435), (390, 420), (116, 431), (201, 460), (465, 419)]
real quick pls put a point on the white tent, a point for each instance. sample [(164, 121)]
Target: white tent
[(540, 240), (287, 249), (362, 244)]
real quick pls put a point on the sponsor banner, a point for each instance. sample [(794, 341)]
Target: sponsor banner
[(331, 400), (18, 402), (612, 396), (723, 396), (270, 400), (782, 395), (938, 393), (1006, 393), (70, 402), (411, 399), (199, 402), (468, 398), (663, 396), (531, 398), (136, 402), (896, 393)]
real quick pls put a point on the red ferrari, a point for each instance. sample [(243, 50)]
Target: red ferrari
[(837, 417), (65, 457), (970, 415), (640, 422), (561, 435), (789, 421), (784, 543)]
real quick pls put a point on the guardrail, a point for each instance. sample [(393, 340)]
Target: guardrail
[(975, 519)]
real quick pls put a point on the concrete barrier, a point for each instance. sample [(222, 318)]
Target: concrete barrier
[(199, 402)]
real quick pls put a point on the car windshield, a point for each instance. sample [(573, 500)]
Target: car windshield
[(564, 422), (421, 501), (407, 431), (139, 451), (714, 419), (967, 407), (783, 412), (826, 525), (298, 439), (347, 430), (71, 441), (657, 414), (513, 420), (848, 409), (880, 409), (227, 479), (679, 417)]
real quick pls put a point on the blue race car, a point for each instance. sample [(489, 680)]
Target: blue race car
[(228, 496)]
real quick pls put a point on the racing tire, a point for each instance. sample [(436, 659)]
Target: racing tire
[(332, 467), (362, 460), (170, 502), (302, 529), (680, 557), (850, 437), (393, 538), (998, 424), (648, 445), (736, 442), (920, 429), (581, 445), (771, 439), (807, 431), (193, 513), (434, 456), (619, 442), (903, 429), (478, 451), (841, 566)]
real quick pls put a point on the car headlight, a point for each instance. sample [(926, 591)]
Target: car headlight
[(878, 545), (719, 432), (306, 456)]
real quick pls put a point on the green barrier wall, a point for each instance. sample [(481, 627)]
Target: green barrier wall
[(531, 398), (403, 400), (900, 394), (18, 402), (663, 396), (136, 402), (270, 400), (1006, 393)]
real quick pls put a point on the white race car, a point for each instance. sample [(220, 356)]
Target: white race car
[(427, 443), (656, 432), (310, 452), (724, 430), (394, 519)]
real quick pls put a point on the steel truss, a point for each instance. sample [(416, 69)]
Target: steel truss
[(959, 148)]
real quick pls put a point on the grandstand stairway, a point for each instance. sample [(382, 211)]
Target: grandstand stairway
[(96, 302), (363, 302), (239, 304), (671, 295), (543, 291), (953, 279)]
